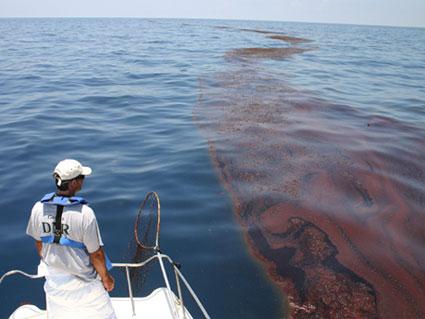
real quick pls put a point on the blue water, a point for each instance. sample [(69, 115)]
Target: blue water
[(118, 95)]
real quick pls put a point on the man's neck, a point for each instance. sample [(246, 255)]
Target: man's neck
[(65, 193)]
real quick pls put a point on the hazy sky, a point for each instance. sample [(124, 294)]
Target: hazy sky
[(381, 12)]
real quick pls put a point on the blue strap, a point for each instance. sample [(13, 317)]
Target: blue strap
[(108, 262), (53, 199), (74, 244), (65, 241)]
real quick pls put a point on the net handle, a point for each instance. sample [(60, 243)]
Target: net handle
[(158, 224)]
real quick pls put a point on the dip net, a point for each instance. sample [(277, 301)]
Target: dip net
[(145, 242)]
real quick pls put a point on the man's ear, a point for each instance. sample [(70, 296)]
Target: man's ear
[(72, 183)]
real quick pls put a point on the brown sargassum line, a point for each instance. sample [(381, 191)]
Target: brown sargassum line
[(271, 53), (335, 231), (275, 53)]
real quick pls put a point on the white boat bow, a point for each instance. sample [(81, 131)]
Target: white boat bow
[(162, 303)]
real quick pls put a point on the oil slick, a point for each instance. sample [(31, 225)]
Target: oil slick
[(321, 195)]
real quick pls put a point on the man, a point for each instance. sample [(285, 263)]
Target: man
[(69, 243)]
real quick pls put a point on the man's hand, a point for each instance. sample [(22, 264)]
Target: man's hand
[(98, 261), (108, 282)]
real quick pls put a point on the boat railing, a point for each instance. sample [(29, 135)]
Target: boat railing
[(179, 277), (158, 256), (19, 272)]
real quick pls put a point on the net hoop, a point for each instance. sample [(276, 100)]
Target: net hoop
[(155, 196)]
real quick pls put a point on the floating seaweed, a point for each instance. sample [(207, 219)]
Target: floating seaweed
[(318, 192)]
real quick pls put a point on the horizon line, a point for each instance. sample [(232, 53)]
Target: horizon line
[(221, 19)]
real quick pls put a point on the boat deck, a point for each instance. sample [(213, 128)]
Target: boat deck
[(156, 305)]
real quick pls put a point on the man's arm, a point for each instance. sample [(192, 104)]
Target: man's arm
[(38, 246), (97, 259)]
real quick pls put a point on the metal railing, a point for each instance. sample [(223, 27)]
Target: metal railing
[(170, 296), (19, 272)]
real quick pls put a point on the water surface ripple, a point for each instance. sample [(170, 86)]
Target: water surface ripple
[(323, 144), (118, 94)]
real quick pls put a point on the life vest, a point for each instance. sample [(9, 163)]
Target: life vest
[(53, 199), (57, 236)]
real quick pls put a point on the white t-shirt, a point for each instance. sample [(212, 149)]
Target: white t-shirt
[(79, 224)]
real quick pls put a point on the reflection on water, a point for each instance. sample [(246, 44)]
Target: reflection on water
[(329, 195)]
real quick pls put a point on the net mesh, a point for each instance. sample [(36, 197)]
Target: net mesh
[(145, 242), (146, 227)]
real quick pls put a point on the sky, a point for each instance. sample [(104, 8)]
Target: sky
[(370, 12)]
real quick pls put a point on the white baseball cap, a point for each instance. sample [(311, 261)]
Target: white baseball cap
[(69, 169)]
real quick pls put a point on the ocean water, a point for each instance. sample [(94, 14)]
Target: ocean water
[(167, 105)]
